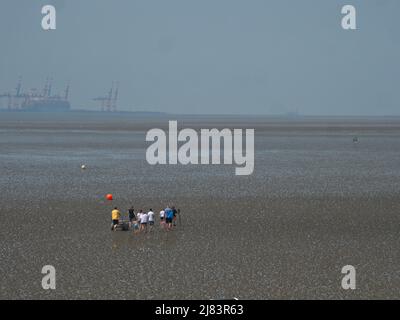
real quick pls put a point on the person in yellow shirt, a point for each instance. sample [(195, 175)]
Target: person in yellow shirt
[(115, 216)]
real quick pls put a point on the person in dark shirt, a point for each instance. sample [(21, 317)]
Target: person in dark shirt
[(131, 214), (174, 211)]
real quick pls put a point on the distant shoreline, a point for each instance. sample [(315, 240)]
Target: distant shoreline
[(80, 111), (199, 115)]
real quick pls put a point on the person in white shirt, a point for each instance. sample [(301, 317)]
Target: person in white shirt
[(144, 219), (139, 216), (151, 217), (162, 218)]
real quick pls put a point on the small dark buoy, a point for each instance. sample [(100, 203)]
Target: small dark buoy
[(355, 139)]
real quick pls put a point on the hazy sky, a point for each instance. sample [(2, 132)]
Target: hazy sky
[(210, 56)]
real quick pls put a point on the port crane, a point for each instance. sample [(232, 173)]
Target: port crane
[(36, 100), (108, 103)]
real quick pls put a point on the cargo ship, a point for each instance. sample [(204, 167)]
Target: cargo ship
[(53, 104)]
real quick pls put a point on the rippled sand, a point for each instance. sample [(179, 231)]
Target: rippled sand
[(315, 203)]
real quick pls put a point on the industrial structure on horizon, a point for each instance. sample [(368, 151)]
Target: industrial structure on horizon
[(44, 100), (109, 102), (37, 100)]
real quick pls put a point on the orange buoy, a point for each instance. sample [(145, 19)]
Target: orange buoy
[(109, 197)]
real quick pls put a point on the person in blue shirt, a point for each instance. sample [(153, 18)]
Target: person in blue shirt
[(169, 216)]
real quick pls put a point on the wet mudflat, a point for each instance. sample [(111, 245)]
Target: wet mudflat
[(315, 203)]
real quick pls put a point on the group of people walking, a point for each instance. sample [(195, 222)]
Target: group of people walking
[(142, 221)]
